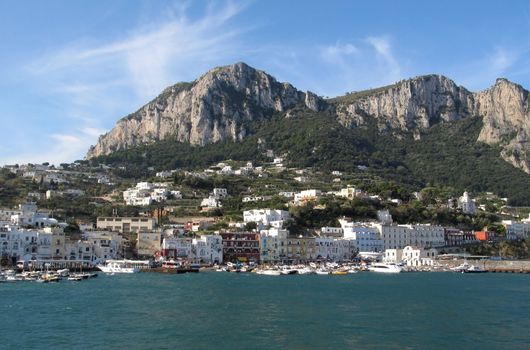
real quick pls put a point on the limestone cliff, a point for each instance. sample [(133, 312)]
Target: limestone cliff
[(506, 117), (214, 107), (409, 105), (417, 104)]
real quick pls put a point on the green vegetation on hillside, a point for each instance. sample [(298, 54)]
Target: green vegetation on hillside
[(447, 155)]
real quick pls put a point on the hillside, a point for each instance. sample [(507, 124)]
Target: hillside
[(417, 131)]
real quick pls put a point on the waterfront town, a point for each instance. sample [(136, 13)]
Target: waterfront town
[(31, 236)]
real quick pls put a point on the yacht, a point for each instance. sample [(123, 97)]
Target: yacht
[(268, 272), (385, 268), (120, 266)]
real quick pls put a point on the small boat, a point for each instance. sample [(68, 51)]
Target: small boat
[(350, 271), (339, 272), (74, 278), (461, 268), (287, 270), (322, 272), (385, 268), (474, 269)]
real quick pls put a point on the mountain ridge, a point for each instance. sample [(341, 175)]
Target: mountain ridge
[(221, 103)]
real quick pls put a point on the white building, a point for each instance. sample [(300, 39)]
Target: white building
[(18, 244), (349, 192), (176, 247), (467, 204), (365, 237), (332, 232), (106, 245), (208, 249), (335, 249), (266, 217), (517, 229), (393, 256), (307, 196), (27, 215), (220, 192), (145, 193), (211, 202), (400, 236), (414, 256)]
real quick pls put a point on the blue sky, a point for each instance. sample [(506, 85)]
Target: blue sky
[(70, 69)]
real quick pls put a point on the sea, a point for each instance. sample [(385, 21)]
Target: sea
[(219, 310)]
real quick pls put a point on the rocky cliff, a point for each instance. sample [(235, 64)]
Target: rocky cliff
[(214, 107), (219, 105), (419, 103), (409, 105)]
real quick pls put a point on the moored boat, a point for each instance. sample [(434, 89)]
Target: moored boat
[(120, 266), (385, 268)]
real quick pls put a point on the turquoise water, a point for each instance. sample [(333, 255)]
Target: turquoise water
[(236, 311)]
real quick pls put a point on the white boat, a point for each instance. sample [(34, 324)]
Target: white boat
[(304, 271), (474, 269), (120, 266), (385, 268), (461, 268), (322, 272), (268, 272)]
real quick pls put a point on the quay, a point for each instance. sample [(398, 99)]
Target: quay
[(496, 266)]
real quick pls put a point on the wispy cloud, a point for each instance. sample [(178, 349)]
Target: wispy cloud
[(61, 148), (499, 62), (94, 82)]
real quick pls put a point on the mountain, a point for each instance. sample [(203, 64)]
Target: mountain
[(419, 103), (417, 131), (215, 107)]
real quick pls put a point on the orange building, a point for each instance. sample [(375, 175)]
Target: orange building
[(482, 235)]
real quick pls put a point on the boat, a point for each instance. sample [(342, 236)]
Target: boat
[(74, 278), (268, 272), (461, 268), (474, 269), (339, 272), (119, 266), (350, 271), (287, 270), (385, 268), (304, 271), (322, 272)]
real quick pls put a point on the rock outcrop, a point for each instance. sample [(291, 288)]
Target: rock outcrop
[(214, 107)]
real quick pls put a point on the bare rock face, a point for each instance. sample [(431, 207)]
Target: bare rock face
[(506, 116), (215, 107), (409, 105)]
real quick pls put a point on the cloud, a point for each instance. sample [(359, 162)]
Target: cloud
[(93, 82), (149, 58), (501, 60), (354, 65), (59, 149), (484, 70)]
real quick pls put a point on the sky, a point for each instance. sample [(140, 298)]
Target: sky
[(70, 69)]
